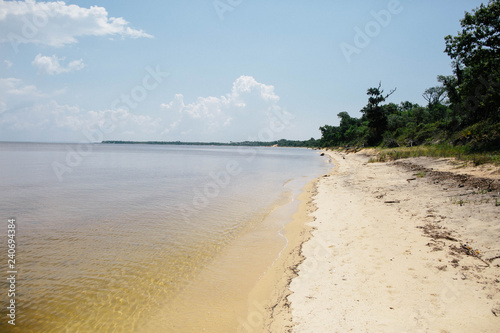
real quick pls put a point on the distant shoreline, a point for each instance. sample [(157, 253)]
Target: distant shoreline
[(279, 143)]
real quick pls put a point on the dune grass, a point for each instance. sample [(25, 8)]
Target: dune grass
[(460, 153)]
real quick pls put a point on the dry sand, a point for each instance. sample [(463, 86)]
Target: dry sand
[(394, 247)]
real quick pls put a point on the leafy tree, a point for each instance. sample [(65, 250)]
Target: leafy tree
[(434, 96), (347, 128), (406, 106), (450, 84), (375, 114), (329, 136), (391, 108), (475, 91)]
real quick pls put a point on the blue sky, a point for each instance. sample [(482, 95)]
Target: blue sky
[(205, 70)]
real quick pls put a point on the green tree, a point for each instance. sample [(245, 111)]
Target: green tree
[(475, 51), (434, 96), (375, 114), (347, 128), (329, 136)]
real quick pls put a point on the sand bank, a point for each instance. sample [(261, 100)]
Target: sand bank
[(395, 247)]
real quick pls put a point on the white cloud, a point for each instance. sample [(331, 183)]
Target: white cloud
[(14, 93), (250, 111), (57, 24), (51, 65), (15, 88), (8, 63), (243, 114), (26, 113), (122, 123), (51, 121)]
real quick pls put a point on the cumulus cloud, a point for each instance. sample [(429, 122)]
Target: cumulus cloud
[(8, 63), (16, 88), (26, 113), (51, 65), (14, 93), (57, 24), (250, 109), (51, 121)]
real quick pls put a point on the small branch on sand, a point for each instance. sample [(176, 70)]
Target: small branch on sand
[(489, 186), (494, 258), (466, 249), (446, 237), (392, 201)]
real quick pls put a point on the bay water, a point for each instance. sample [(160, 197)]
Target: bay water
[(143, 238)]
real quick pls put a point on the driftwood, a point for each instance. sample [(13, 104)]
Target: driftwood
[(489, 186), (392, 201), (443, 236), (466, 249), (494, 258)]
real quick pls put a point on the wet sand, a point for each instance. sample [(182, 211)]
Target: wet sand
[(407, 246)]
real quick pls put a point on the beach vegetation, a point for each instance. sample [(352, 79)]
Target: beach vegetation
[(462, 153), (462, 115)]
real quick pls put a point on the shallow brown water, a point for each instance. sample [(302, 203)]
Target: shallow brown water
[(145, 238)]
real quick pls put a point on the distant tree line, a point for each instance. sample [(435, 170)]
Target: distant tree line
[(311, 143), (463, 110)]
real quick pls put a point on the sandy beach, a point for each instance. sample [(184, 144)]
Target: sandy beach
[(406, 246)]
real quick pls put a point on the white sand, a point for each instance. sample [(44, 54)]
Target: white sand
[(369, 268)]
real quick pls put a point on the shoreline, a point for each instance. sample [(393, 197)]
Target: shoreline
[(268, 305), (384, 247)]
